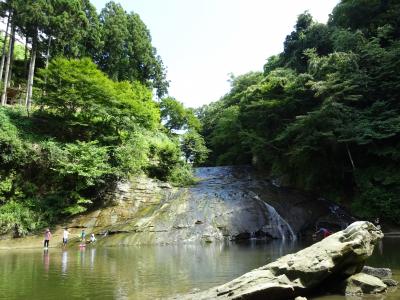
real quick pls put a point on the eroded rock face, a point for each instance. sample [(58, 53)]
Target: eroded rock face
[(228, 203), (224, 205), (337, 256)]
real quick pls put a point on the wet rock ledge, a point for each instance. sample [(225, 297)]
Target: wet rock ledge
[(327, 265)]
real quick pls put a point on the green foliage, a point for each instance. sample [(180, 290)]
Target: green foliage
[(325, 113), (12, 148), (181, 175), (193, 147), (19, 219), (82, 163), (77, 90), (176, 116), (164, 155), (127, 52), (86, 129), (132, 162), (88, 132)]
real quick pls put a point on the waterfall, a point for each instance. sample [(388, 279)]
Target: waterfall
[(279, 223), (276, 221)]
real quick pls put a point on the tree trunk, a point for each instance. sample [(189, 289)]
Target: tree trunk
[(3, 55), (350, 157), (47, 64), (12, 41), (7, 70), (26, 55), (48, 53), (31, 73), (25, 64)]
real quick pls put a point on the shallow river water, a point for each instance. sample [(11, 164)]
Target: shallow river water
[(154, 272)]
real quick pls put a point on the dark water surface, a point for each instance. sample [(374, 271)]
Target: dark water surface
[(154, 272)]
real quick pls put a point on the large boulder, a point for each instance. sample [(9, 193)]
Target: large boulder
[(332, 259)]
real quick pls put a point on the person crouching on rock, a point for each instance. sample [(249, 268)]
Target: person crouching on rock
[(323, 231), (92, 238)]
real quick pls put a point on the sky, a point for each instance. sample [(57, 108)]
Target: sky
[(201, 42)]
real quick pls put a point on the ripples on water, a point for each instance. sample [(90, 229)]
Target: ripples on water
[(143, 272)]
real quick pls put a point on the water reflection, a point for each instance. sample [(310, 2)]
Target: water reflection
[(46, 260), (92, 257), (81, 254), (64, 262)]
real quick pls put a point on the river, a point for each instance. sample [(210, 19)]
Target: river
[(149, 272)]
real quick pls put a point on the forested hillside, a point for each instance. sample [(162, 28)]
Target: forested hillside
[(84, 104), (324, 115)]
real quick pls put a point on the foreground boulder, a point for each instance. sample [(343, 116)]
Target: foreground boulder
[(331, 260), (377, 272), (362, 283), (384, 274)]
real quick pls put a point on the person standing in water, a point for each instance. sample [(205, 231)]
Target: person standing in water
[(47, 237), (83, 237), (65, 237)]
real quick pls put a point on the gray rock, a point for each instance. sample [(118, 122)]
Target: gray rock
[(362, 283), (377, 272), (390, 282), (339, 255)]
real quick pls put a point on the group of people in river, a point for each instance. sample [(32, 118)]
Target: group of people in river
[(65, 237)]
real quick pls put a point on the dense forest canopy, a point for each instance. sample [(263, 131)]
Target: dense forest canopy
[(324, 115), (79, 111)]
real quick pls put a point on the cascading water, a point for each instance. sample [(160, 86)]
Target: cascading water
[(279, 223)]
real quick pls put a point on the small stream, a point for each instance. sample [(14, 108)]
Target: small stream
[(153, 272)]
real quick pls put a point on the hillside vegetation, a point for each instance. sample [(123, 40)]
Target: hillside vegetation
[(324, 115), (84, 107)]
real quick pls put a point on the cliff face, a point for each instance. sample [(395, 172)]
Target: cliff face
[(228, 203)]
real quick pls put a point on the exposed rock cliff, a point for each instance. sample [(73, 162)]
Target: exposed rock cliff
[(227, 203)]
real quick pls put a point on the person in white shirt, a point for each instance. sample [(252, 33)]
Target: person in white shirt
[(92, 238), (65, 237)]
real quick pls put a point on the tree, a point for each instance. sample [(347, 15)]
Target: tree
[(176, 116), (32, 18), (127, 52), (5, 12), (10, 54), (78, 91), (193, 146)]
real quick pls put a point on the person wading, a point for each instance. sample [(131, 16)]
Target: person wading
[(47, 237)]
